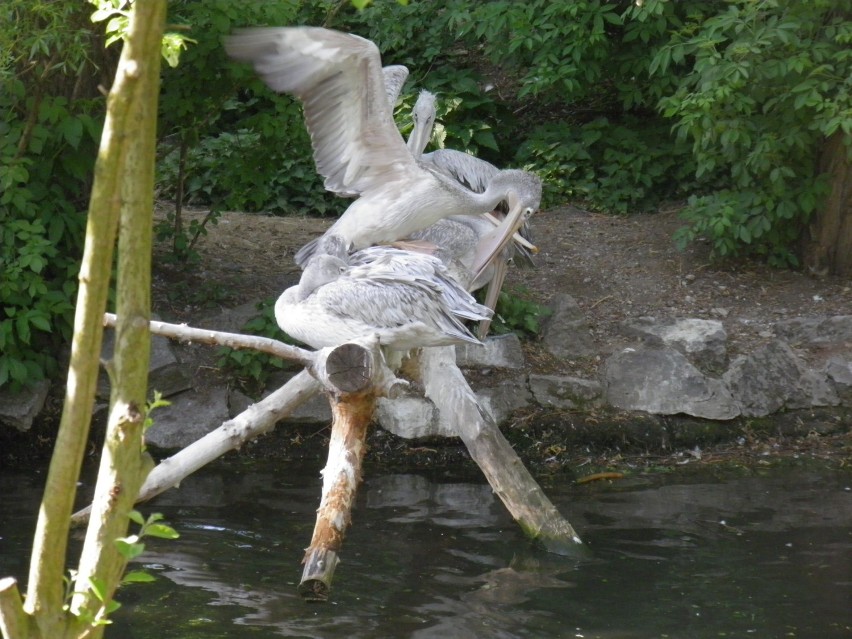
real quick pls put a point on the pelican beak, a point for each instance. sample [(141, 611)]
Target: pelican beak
[(418, 139), (492, 244), (518, 238), (501, 267)]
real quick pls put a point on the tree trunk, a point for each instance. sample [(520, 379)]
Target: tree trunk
[(829, 246), (122, 193)]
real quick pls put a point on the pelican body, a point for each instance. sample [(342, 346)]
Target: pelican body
[(357, 148), (405, 300)]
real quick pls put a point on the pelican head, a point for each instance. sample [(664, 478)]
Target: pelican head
[(321, 269), (424, 120), (522, 192)]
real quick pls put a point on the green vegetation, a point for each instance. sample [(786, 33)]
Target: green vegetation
[(731, 106), (254, 367), (516, 313)]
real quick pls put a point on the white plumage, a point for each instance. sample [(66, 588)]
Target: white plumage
[(406, 300), (357, 147)]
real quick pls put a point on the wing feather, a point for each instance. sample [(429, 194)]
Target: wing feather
[(339, 79)]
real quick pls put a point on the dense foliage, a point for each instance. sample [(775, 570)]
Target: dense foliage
[(724, 104), (48, 135), (766, 84)]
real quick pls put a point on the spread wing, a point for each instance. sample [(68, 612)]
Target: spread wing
[(339, 79)]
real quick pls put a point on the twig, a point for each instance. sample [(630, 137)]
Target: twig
[(598, 477), (603, 299)]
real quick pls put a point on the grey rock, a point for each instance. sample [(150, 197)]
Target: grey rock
[(501, 400), (811, 331), (501, 351), (562, 391), (663, 381), (839, 370), (191, 415), (703, 342), (410, 418), (774, 377), (231, 320), (19, 409), (166, 373), (566, 332), (314, 411)]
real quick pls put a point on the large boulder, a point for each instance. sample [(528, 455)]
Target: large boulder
[(166, 373), (813, 331), (663, 381), (839, 371), (561, 391), (502, 399), (703, 342), (190, 415), (410, 418), (773, 378)]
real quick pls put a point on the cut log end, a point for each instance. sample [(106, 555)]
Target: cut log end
[(318, 574), (349, 368)]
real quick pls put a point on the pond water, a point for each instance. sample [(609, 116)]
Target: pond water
[(709, 553)]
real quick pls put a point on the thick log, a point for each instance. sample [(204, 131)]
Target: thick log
[(446, 386), (352, 414)]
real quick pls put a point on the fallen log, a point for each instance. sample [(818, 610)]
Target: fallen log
[(352, 415), (446, 386)]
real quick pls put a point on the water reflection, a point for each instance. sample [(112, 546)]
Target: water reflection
[(737, 555)]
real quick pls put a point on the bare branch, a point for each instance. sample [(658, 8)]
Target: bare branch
[(184, 333)]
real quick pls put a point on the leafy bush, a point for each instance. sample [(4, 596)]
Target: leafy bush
[(767, 83), (231, 143), (516, 312), (622, 168), (48, 137)]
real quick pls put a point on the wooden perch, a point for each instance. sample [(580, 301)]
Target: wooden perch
[(352, 367), (184, 333), (446, 386), (256, 420), (347, 368)]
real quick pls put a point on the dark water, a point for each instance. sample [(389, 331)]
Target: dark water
[(697, 554)]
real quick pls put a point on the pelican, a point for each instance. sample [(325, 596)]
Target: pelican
[(356, 145), (405, 300), (460, 238)]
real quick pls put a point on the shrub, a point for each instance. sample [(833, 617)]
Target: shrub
[(48, 138), (766, 84)]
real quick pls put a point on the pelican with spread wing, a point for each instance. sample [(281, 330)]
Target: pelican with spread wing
[(356, 146)]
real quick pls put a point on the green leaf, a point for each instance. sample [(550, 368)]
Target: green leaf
[(162, 531), (98, 588), (138, 577), (129, 548), (136, 517), (72, 130)]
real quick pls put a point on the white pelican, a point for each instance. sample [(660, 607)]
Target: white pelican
[(460, 239), (357, 147), (405, 300)]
